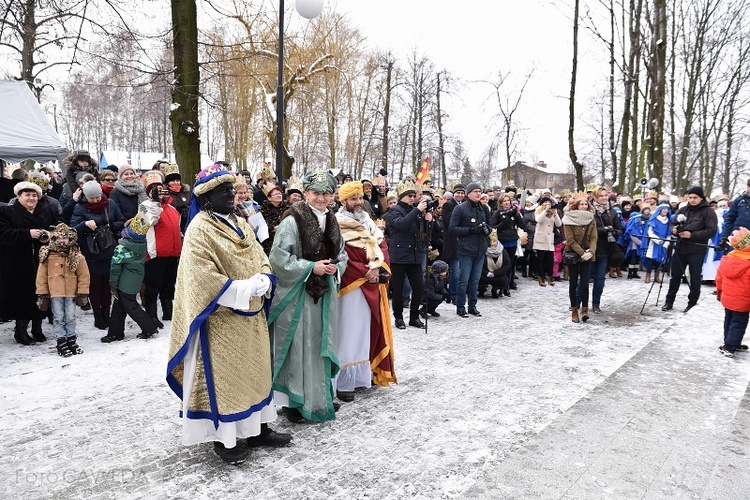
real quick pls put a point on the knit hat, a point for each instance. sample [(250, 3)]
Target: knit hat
[(123, 169), (459, 187), (439, 267), (674, 199), (532, 200), (27, 186), (405, 187), (92, 189), (740, 239), (545, 200), (137, 227), (510, 188), (349, 189), (152, 177), (319, 181), (472, 186), (697, 190), (172, 173)]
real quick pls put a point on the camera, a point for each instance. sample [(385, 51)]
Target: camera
[(44, 237), (431, 205), (486, 229)]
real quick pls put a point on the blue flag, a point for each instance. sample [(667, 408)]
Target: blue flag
[(103, 162)]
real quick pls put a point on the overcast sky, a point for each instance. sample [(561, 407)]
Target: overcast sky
[(475, 39)]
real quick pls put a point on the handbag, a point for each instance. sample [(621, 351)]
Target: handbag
[(615, 255), (101, 242), (570, 257)]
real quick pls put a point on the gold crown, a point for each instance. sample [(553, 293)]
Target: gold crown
[(171, 169), (40, 179), (152, 177), (266, 173), (405, 186), (270, 187), (294, 184), (139, 224), (493, 236)]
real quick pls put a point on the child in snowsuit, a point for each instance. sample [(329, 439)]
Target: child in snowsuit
[(435, 287), (733, 290), (125, 279), (62, 282)]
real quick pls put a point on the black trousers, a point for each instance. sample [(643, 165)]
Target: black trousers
[(414, 272), (127, 305), (580, 270), (681, 262), (544, 261), (160, 277)]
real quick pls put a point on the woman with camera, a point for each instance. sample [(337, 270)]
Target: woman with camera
[(581, 238), (95, 210), (23, 230)]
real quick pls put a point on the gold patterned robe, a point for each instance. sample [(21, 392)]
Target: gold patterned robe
[(225, 353)]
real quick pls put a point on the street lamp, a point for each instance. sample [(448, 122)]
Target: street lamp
[(309, 9)]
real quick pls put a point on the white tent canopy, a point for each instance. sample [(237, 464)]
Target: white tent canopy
[(28, 134)]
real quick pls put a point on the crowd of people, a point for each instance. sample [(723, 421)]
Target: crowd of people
[(318, 263)]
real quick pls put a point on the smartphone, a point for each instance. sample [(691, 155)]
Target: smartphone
[(335, 260)]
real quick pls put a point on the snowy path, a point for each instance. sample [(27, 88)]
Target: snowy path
[(472, 392)]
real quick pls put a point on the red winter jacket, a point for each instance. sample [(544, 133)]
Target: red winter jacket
[(164, 239), (733, 281)]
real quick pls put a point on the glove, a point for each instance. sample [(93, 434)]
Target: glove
[(718, 296), (43, 302), (82, 300), (259, 285), (490, 274), (113, 290), (477, 230), (586, 255), (666, 245), (723, 242), (607, 228)]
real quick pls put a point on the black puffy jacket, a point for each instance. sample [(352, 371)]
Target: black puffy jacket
[(404, 223), (507, 223), (701, 221)]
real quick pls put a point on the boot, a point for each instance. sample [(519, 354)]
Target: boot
[(36, 330), (635, 273), (565, 273), (21, 336), (612, 273), (585, 314), (619, 272), (648, 277), (99, 319), (630, 274), (575, 317), (232, 456), (166, 309), (550, 281), (63, 349), (73, 345), (541, 281)]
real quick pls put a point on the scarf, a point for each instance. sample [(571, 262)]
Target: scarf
[(97, 207), (69, 250), (495, 252), (578, 218), (107, 189), (359, 234), (132, 188), (662, 218), (600, 209)]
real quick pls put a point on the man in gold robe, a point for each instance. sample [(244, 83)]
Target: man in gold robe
[(219, 352)]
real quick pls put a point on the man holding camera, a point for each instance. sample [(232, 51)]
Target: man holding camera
[(470, 224), (693, 225)]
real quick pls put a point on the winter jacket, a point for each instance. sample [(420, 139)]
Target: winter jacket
[(164, 238), (127, 203), (81, 214), (181, 202), (449, 240), (47, 203), (128, 265), (608, 218), (574, 238), (466, 223), (272, 215), (499, 276), (506, 224), (54, 277), (529, 218), (19, 259), (733, 281), (404, 246), (738, 215), (701, 222), (435, 286), (544, 235)]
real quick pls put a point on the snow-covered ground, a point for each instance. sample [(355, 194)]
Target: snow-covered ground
[(104, 424)]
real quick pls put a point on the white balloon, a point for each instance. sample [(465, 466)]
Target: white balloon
[(309, 9)]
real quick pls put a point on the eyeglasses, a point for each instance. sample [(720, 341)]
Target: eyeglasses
[(108, 179)]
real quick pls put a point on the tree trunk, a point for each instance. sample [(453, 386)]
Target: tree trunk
[(387, 111), (658, 68), (571, 126), (184, 114), (441, 137)]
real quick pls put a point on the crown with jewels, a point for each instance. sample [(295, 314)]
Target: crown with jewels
[(266, 173), (404, 187)]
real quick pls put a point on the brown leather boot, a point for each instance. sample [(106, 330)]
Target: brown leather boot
[(550, 281), (575, 318), (585, 314), (648, 277), (657, 277), (619, 272), (612, 273), (541, 281)]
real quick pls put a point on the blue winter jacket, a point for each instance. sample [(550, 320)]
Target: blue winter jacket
[(737, 216)]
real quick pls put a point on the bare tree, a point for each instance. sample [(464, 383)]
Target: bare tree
[(578, 166)]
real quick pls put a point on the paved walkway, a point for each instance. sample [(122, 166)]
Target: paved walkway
[(673, 422)]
